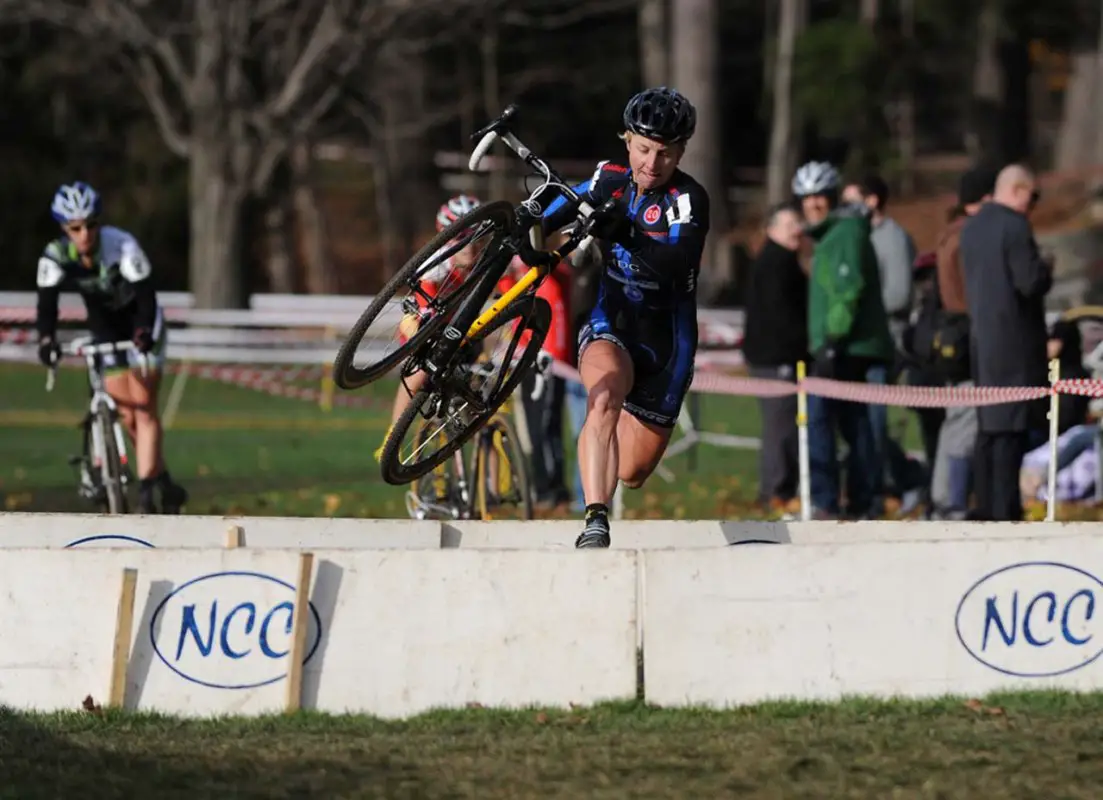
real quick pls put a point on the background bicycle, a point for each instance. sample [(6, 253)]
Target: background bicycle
[(461, 400), (493, 481), (102, 466)]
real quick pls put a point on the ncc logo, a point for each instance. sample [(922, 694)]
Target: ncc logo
[(1034, 619)]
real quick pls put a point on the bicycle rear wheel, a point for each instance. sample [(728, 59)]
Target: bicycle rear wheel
[(501, 473), (460, 403), (490, 222), (111, 468)]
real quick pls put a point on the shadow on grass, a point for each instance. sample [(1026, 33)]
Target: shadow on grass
[(54, 756), (207, 495)]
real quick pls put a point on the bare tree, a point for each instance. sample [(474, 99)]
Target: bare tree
[(783, 130), (654, 52), (233, 85), (982, 136), (695, 34)]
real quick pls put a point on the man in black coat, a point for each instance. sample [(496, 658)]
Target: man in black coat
[(1006, 282), (776, 338)]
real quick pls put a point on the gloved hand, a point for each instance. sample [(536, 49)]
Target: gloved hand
[(610, 222), (49, 351), (143, 339), (824, 365)]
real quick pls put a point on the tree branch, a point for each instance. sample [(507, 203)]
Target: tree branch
[(326, 35), (152, 88), (127, 24), (566, 18)]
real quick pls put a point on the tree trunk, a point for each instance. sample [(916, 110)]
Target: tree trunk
[(279, 264), (654, 53), (695, 72), (492, 108), (982, 139), (783, 130), (216, 200), (320, 275), (870, 11), (906, 129)]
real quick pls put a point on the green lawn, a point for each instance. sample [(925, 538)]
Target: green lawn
[(241, 451), (1013, 746)]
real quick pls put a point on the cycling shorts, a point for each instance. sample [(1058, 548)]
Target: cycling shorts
[(122, 331), (662, 346)]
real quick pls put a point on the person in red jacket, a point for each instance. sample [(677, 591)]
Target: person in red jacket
[(544, 415)]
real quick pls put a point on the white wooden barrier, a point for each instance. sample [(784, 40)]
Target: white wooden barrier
[(20, 530), (915, 619), (211, 631), (238, 626)]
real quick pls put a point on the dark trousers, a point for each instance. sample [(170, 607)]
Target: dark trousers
[(544, 419), (997, 459), (778, 466)]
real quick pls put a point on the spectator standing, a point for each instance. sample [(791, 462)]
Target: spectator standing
[(895, 251), (952, 475), (776, 338), (544, 415), (847, 333), (1006, 282), (895, 259)]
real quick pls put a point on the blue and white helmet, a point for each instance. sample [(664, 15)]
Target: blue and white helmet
[(75, 201), (815, 177)]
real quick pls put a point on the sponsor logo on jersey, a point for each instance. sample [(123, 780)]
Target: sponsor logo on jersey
[(652, 214)]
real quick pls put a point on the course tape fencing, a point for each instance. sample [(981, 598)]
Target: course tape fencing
[(286, 380)]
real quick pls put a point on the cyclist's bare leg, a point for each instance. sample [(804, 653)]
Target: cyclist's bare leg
[(607, 374), (406, 390), (137, 400), (641, 446), (136, 396)]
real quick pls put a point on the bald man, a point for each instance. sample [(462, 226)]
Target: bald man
[(1006, 281)]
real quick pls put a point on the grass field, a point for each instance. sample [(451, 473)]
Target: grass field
[(1011, 746), (241, 451)]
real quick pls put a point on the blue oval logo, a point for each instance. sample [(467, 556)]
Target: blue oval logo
[(1036, 619), (230, 630), (112, 539)]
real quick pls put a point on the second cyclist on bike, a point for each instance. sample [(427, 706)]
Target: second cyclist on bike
[(108, 268)]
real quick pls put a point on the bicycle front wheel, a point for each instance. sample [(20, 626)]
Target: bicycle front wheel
[(510, 344), (392, 309), (501, 473), (111, 467)]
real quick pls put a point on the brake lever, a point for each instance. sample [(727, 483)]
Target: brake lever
[(504, 121)]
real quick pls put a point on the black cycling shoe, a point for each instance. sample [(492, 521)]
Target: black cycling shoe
[(595, 534), (173, 498), (145, 501)]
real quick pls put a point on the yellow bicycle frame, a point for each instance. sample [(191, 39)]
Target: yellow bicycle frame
[(527, 280)]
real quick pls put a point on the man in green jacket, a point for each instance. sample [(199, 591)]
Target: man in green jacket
[(848, 335)]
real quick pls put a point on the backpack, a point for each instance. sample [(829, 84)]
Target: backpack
[(940, 339)]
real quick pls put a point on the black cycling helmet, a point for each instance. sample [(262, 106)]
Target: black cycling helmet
[(662, 114)]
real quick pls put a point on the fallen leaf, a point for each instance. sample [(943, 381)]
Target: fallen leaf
[(541, 718), (332, 503), (92, 707)]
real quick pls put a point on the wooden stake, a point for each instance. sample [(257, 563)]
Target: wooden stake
[(124, 625), (235, 537), (300, 624)]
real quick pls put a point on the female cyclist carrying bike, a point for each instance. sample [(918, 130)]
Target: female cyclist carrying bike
[(107, 266), (636, 351)]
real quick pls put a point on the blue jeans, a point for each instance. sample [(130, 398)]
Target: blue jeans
[(852, 421), (879, 430), (576, 410)]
